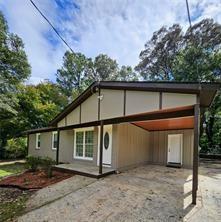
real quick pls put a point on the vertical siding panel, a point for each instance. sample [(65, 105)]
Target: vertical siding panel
[(161, 147), (136, 145), (151, 146), (159, 143), (133, 145)]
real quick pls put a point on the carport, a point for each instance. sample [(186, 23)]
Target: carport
[(176, 118)]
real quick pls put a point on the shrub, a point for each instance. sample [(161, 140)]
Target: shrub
[(16, 148), (33, 162), (47, 163)]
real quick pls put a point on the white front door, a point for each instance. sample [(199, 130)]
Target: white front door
[(107, 145), (175, 145)]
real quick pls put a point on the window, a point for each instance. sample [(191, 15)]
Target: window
[(38, 141), (54, 140), (84, 143)]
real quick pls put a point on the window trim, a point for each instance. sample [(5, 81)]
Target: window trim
[(52, 141), (82, 130), (36, 141)]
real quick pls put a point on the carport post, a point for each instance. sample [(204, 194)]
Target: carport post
[(101, 147), (195, 153), (57, 151)]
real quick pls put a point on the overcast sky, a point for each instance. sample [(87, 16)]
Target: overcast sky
[(118, 28)]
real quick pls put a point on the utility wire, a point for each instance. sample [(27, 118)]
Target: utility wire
[(191, 31), (55, 30), (188, 13)]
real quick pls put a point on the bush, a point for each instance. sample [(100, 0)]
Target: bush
[(16, 148), (33, 162), (47, 163)]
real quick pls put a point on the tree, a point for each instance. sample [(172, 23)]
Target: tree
[(157, 59), (196, 64), (78, 72), (191, 56), (159, 53), (104, 68), (73, 73), (51, 93), (211, 139), (126, 73), (38, 105), (14, 69)]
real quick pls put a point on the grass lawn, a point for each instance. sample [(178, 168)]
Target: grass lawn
[(8, 169)]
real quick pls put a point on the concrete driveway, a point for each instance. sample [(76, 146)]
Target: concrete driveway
[(148, 193)]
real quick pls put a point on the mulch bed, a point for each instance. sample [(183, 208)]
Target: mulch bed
[(33, 180)]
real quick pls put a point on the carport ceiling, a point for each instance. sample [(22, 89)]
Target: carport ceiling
[(167, 124)]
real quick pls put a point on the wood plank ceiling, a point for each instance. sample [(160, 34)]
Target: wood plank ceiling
[(167, 124)]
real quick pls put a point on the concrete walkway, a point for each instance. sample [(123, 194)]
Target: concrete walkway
[(5, 162), (148, 193), (57, 191)]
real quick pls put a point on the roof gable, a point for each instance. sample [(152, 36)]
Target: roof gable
[(206, 91)]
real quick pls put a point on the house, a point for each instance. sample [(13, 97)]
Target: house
[(117, 125)]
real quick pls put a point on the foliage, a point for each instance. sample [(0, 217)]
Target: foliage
[(126, 73), (16, 148), (14, 69), (78, 72), (104, 68), (33, 162), (159, 58), (193, 56), (212, 134), (38, 105), (196, 64), (159, 53), (47, 163), (73, 72)]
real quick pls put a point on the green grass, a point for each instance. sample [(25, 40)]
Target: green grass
[(10, 169)]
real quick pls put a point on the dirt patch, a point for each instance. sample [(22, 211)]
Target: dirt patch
[(12, 202), (33, 180)]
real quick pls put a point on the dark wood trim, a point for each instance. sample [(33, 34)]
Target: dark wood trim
[(195, 154), (80, 114), (106, 174), (125, 98), (41, 130), (58, 146), (172, 129), (99, 104), (78, 172), (101, 147), (160, 100)]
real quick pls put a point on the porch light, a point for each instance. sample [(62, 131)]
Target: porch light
[(100, 97)]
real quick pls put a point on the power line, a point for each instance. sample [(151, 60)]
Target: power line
[(191, 32), (55, 30), (188, 13)]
